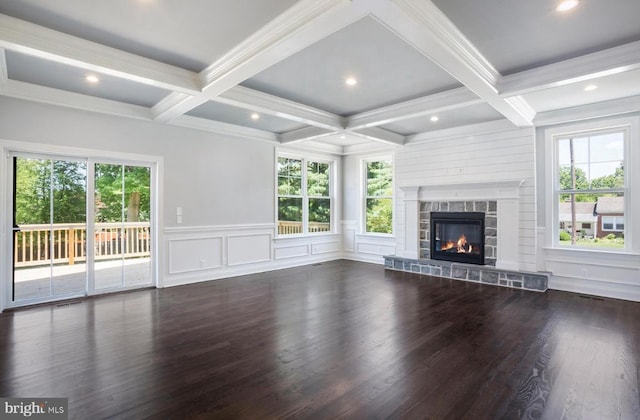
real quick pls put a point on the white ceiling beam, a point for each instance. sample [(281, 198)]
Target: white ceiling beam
[(264, 103), (225, 129), (28, 38), (307, 133), (603, 63), (367, 148), (303, 24), (439, 102), (588, 111), (43, 94), (425, 27), (314, 146), (174, 105), (380, 135)]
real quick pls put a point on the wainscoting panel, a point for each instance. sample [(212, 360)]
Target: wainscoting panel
[(248, 249), (195, 254), (375, 249), (202, 253), (292, 251), (614, 275), (366, 248), (325, 248), (349, 230)]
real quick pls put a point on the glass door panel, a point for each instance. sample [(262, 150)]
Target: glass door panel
[(49, 224), (137, 259), (122, 226)]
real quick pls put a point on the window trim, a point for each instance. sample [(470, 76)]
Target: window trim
[(631, 126), (305, 159), (363, 194)]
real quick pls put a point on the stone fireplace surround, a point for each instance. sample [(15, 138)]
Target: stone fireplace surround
[(489, 208), (502, 220)]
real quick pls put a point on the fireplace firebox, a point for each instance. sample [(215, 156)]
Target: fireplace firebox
[(457, 237)]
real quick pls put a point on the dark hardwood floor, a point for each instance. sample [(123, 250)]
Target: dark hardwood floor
[(335, 340)]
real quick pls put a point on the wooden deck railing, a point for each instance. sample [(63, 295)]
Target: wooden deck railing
[(67, 243), (293, 228)]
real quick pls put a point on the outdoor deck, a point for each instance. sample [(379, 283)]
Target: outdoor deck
[(33, 282)]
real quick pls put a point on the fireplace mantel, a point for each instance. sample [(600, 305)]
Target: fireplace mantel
[(505, 193), (467, 191)]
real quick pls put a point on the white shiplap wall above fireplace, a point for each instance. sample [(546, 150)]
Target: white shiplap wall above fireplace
[(493, 165)]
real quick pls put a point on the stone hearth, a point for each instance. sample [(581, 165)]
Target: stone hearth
[(500, 202), (536, 282)]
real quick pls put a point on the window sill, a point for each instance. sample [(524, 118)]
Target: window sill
[(305, 236), (591, 251), (377, 235)]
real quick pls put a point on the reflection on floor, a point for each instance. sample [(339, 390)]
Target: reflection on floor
[(33, 283)]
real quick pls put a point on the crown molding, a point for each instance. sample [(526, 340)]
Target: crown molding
[(47, 95), (589, 111), (254, 100), (439, 102), (462, 132), (602, 63), (306, 133), (225, 129), (31, 39)]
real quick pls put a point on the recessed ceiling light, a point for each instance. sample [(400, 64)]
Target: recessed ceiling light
[(566, 5), (255, 116), (91, 78), (343, 137), (434, 118), (351, 81), (589, 88)]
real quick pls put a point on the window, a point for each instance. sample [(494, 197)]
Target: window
[(304, 196), (378, 201), (590, 184), (613, 223)]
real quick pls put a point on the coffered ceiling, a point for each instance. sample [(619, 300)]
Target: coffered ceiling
[(277, 70)]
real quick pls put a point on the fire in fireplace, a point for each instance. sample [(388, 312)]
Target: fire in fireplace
[(457, 236)]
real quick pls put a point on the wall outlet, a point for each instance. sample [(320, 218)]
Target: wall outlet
[(584, 272), (202, 263)]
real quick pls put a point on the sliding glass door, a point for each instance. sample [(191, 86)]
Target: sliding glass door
[(57, 251)]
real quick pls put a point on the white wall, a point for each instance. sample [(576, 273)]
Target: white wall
[(507, 155), (198, 165)]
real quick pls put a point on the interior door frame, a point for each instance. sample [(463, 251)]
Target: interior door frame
[(43, 151)]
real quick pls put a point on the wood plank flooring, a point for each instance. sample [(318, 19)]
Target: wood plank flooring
[(333, 340)]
